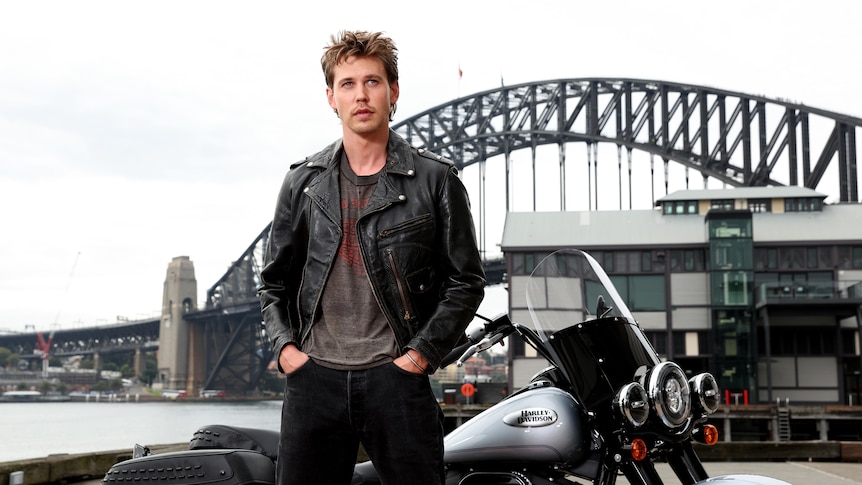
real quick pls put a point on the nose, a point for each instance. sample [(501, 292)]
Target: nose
[(362, 93)]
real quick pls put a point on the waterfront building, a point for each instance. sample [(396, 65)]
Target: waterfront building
[(758, 285)]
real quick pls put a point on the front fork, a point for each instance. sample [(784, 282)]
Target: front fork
[(682, 460)]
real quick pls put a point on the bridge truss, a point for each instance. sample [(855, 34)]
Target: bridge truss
[(731, 138)]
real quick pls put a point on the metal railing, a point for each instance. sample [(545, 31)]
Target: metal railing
[(826, 290)]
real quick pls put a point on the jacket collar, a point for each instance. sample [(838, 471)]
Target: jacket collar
[(399, 156)]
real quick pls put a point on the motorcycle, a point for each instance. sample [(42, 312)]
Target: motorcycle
[(606, 406)]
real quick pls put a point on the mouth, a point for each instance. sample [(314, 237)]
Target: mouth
[(363, 113)]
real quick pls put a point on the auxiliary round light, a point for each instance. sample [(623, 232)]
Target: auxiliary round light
[(669, 394), (705, 390), (632, 402)]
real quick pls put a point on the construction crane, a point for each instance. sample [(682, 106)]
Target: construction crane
[(45, 349), (43, 345)]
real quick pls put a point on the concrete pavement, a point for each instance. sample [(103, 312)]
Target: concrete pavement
[(793, 472)]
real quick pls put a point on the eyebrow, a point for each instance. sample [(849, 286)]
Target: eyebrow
[(364, 77)]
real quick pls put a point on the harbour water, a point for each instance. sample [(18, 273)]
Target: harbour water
[(36, 430)]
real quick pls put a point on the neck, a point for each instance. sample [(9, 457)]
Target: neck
[(366, 154)]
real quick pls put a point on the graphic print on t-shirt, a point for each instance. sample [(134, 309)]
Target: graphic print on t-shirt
[(348, 251)]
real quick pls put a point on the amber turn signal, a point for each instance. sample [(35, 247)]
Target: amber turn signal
[(639, 449), (710, 434)]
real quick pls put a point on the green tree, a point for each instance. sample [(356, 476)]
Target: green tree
[(5, 354), (151, 369), (127, 371), (8, 359)]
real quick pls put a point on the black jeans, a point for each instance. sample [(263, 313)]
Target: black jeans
[(327, 413)]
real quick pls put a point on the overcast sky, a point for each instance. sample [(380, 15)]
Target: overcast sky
[(134, 132)]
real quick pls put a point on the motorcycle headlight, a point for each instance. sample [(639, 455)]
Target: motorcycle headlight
[(631, 402), (705, 391), (669, 394)]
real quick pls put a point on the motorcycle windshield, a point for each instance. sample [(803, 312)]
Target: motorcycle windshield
[(589, 332), (564, 290)]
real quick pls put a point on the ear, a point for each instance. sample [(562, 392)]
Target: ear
[(330, 98), (394, 91)]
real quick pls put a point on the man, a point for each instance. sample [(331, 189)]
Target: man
[(372, 274)]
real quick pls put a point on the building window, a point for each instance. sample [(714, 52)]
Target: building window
[(518, 264), (646, 261), (803, 204), (679, 207), (525, 263), (721, 204), (642, 293), (798, 341), (730, 254), (760, 205), (825, 255), (658, 341), (734, 228), (608, 262), (686, 260), (732, 287), (687, 343), (616, 262), (845, 260), (792, 258), (857, 256), (811, 257), (765, 258)]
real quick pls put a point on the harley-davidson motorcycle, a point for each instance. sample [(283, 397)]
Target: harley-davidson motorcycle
[(606, 407)]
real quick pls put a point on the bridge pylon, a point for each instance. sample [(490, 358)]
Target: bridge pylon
[(180, 357)]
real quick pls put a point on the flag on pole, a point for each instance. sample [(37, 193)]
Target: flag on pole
[(460, 72)]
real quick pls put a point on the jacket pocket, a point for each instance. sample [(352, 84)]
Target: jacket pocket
[(415, 224), (421, 280)]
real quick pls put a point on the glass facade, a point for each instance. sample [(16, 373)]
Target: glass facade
[(731, 276)]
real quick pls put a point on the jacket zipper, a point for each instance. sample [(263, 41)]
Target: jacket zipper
[(404, 302), (374, 289), (404, 226)]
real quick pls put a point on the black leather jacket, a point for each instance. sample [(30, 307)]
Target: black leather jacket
[(417, 241)]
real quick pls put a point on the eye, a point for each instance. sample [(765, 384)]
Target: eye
[(372, 82)]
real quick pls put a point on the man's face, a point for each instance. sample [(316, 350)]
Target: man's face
[(361, 94)]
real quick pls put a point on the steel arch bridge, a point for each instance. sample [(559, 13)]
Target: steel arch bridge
[(733, 138)]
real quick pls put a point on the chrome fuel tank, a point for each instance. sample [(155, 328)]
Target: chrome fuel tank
[(543, 424)]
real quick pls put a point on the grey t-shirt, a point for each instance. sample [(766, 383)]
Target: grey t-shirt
[(351, 332)]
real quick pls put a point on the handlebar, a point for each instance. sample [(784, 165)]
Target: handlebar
[(480, 339)]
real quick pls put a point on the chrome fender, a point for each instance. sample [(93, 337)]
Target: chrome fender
[(742, 480)]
